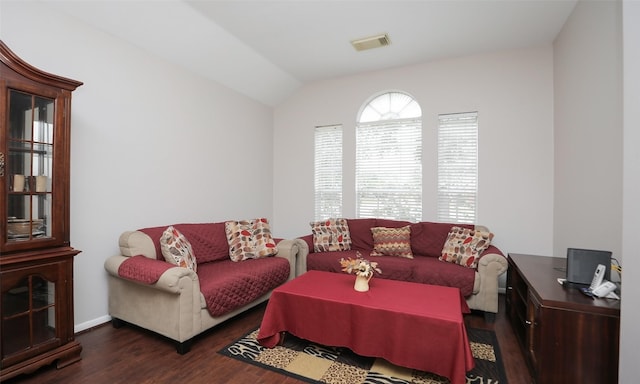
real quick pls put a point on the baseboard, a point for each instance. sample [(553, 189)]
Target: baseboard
[(92, 323)]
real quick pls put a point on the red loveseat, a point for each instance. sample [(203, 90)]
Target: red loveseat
[(179, 303)]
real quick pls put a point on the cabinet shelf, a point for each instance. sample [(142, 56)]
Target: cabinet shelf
[(26, 193), (28, 150)]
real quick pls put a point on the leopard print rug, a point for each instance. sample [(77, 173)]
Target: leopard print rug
[(314, 363)]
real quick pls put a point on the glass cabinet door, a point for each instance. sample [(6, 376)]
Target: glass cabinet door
[(29, 166), (28, 316)]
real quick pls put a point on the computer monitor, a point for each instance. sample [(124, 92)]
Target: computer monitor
[(582, 263)]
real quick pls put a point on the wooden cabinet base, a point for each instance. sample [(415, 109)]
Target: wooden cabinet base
[(566, 336), (62, 356)]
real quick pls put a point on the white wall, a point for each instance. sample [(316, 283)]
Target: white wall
[(513, 93), (629, 335), (597, 81), (138, 120), (151, 143), (588, 129)]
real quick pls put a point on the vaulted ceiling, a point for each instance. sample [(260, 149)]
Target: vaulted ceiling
[(266, 49)]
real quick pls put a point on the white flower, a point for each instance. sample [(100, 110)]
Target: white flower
[(359, 266)]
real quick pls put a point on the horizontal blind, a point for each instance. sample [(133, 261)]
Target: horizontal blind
[(328, 172), (457, 167), (389, 169)]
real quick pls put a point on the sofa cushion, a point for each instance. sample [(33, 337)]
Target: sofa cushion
[(227, 285), (464, 246), (154, 233), (249, 239), (430, 270), (393, 267), (330, 261), (176, 249), (420, 269), (331, 235), (208, 240), (309, 240), (392, 241), (360, 232), (428, 238)]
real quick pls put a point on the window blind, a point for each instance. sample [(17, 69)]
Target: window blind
[(328, 171), (457, 167), (389, 169)]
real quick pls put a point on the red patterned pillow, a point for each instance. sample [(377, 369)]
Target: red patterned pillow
[(464, 246), (176, 249), (331, 235), (392, 242), (249, 239)]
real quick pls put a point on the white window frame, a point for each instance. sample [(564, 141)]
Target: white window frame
[(328, 171), (457, 167)]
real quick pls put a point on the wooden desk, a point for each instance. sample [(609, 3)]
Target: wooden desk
[(566, 336), (413, 325)]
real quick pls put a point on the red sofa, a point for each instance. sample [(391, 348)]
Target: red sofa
[(478, 285)]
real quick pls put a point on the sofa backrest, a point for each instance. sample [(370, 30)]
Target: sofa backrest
[(360, 232), (361, 236), (427, 238), (208, 240)]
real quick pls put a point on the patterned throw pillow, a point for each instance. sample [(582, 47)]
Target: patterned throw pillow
[(331, 235), (464, 246), (249, 239), (176, 249), (392, 242)]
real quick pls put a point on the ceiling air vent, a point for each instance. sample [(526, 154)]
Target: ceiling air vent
[(371, 42)]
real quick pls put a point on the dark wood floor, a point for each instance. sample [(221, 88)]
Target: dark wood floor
[(132, 355)]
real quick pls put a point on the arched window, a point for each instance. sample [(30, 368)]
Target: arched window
[(389, 158)]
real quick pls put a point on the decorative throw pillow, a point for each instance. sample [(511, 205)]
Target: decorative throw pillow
[(464, 246), (176, 249), (331, 235), (392, 242), (249, 239)]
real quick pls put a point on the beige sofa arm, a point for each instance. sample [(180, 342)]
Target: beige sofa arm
[(134, 243), (289, 250), (171, 306), (490, 266), (169, 281), (486, 261), (301, 261)]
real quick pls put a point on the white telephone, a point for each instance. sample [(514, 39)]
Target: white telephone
[(600, 287), (598, 277)]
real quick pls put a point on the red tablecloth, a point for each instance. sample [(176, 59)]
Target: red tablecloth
[(412, 325)]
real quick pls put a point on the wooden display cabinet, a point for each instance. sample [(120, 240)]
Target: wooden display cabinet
[(566, 336), (36, 258)]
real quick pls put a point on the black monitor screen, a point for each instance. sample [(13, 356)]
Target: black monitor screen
[(582, 264)]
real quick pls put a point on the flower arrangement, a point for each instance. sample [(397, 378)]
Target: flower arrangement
[(359, 266)]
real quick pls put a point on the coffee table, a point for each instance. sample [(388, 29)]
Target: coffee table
[(412, 325)]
